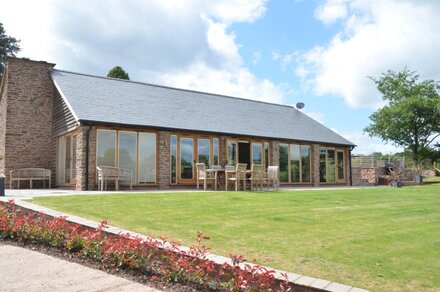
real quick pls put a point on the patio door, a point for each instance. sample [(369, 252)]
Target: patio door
[(244, 153), (66, 171), (186, 160), (340, 166)]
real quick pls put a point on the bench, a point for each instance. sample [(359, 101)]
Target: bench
[(116, 174), (31, 175)]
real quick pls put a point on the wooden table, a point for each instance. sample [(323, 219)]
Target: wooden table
[(216, 172), (224, 173)]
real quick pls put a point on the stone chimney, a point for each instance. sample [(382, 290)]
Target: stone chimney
[(26, 101)]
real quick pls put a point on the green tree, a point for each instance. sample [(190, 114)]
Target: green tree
[(8, 47), (118, 72), (411, 118)]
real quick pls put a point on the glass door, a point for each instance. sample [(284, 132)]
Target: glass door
[(186, 163), (340, 166), (331, 166), (67, 160)]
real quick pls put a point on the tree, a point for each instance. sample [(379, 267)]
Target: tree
[(118, 72), (8, 47), (411, 118)]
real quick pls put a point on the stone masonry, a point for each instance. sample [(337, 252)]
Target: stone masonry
[(315, 165), (164, 160), (81, 152), (26, 115)]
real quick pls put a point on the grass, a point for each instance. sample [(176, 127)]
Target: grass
[(432, 179), (383, 239)]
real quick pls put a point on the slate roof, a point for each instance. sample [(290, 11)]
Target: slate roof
[(114, 101)]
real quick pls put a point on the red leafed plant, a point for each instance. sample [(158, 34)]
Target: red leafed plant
[(157, 258)]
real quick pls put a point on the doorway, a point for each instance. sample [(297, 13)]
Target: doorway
[(244, 153), (66, 169)]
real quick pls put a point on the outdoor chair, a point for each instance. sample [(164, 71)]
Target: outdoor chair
[(116, 174), (239, 175), (272, 177), (229, 167), (205, 176), (256, 176)]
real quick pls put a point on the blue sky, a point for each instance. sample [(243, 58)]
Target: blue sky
[(319, 52), (288, 27)]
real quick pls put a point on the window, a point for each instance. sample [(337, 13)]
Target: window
[(266, 155), (284, 162), (186, 150), (341, 163), (66, 165), (257, 153), (147, 158), (294, 163), (127, 149), (331, 165), (186, 158), (106, 151), (68, 157), (305, 163), (331, 177), (215, 149), (173, 142), (133, 150), (232, 152), (204, 151)]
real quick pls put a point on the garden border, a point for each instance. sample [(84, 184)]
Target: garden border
[(297, 281)]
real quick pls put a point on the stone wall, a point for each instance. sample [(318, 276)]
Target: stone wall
[(81, 153), (274, 152), (164, 161), (427, 172), (3, 109), (26, 115), (367, 176), (315, 164)]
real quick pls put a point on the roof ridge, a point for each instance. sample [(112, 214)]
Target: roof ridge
[(173, 88)]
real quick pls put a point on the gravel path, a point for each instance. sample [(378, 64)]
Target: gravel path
[(22, 269)]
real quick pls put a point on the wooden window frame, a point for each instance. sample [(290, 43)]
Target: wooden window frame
[(70, 136), (300, 164), (137, 131), (344, 179), (196, 138), (336, 150)]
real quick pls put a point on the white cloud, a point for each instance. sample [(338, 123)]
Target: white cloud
[(375, 36), (367, 145), (240, 83), (256, 56), (318, 116), (180, 43), (331, 11), (285, 59)]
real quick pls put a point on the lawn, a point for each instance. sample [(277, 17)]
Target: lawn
[(383, 239)]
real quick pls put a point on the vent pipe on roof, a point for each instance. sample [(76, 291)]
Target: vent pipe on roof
[(300, 105)]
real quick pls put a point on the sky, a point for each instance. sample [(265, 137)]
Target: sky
[(319, 52)]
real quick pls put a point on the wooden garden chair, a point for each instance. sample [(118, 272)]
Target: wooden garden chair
[(203, 175), (239, 175)]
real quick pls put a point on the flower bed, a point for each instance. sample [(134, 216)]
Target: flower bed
[(157, 258)]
